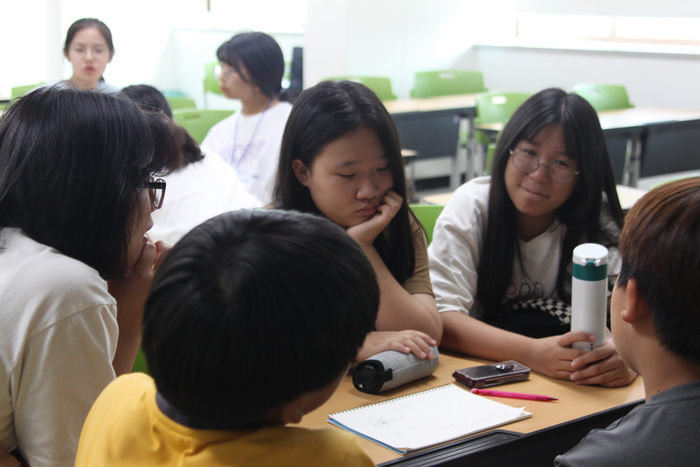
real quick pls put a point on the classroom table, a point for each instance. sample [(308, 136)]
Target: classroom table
[(431, 127), (574, 401), (627, 195), (644, 142)]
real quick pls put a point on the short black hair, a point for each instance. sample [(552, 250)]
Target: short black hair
[(253, 308), (261, 56), (660, 247), (151, 99), (73, 167)]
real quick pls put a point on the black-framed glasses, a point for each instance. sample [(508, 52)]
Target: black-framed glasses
[(560, 170), (156, 191)]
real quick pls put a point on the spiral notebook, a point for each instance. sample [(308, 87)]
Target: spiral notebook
[(427, 418)]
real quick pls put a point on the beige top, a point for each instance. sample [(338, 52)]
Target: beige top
[(419, 282)]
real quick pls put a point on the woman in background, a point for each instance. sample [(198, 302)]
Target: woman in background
[(502, 248), (252, 66), (76, 196), (200, 188), (341, 159), (89, 48)]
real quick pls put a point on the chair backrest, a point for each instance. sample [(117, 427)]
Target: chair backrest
[(379, 85), (211, 84), (199, 122), (427, 214), (181, 103), (604, 96), (447, 83), (19, 91), (497, 106)]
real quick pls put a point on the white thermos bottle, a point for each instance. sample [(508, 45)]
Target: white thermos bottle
[(589, 293)]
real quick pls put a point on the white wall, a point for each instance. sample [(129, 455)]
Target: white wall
[(396, 38), (651, 80)]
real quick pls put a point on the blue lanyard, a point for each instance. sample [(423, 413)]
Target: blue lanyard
[(252, 136)]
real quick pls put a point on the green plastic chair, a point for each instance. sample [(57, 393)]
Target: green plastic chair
[(447, 83), (211, 84), (379, 85), (495, 107), (199, 122), (604, 96), (140, 363), (19, 91), (177, 103), (427, 214)]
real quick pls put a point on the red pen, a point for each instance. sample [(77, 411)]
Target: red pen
[(513, 395)]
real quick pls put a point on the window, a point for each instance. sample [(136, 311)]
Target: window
[(610, 28)]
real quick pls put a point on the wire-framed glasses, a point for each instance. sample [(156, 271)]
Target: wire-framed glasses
[(156, 191), (223, 74), (560, 171)]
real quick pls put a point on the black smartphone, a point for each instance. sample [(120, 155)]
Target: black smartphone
[(493, 374)]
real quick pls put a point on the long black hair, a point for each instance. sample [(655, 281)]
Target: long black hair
[(580, 213), (323, 114), (73, 167)]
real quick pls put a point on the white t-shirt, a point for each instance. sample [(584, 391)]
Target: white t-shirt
[(455, 252), (196, 193), (256, 153), (58, 336)]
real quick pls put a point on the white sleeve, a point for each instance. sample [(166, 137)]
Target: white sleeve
[(219, 139), (454, 251), (64, 368)]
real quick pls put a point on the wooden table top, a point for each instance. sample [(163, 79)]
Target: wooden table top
[(460, 101), (574, 401)]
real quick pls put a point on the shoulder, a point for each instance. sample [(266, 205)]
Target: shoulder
[(42, 278), (468, 207), (324, 447), (224, 125), (107, 88)]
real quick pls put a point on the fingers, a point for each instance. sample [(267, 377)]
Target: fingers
[(146, 260), (605, 351), (579, 336), (162, 249), (410, 341)]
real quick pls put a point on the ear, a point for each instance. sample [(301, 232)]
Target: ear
[(292, 412), (111, 56), (636, 305), (301, 171)]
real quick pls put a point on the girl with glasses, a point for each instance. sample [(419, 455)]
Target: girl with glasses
[(89, 48), (251, 66), (341, 159), (76, 197), (500, 260), (199, 188)]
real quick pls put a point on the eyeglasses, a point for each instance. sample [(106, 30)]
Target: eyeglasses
[(223, 74), (560, 170), (97, 53), (156, 190)]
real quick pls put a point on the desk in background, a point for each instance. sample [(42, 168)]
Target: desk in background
[(431, 127), (574, 401), (644, 142)]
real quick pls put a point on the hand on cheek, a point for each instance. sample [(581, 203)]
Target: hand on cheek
[(366, 232)]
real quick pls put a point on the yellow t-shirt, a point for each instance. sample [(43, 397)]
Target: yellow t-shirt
[(126, 428)]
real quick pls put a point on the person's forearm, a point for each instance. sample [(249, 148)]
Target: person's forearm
[(472, 337), (399, 310)]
